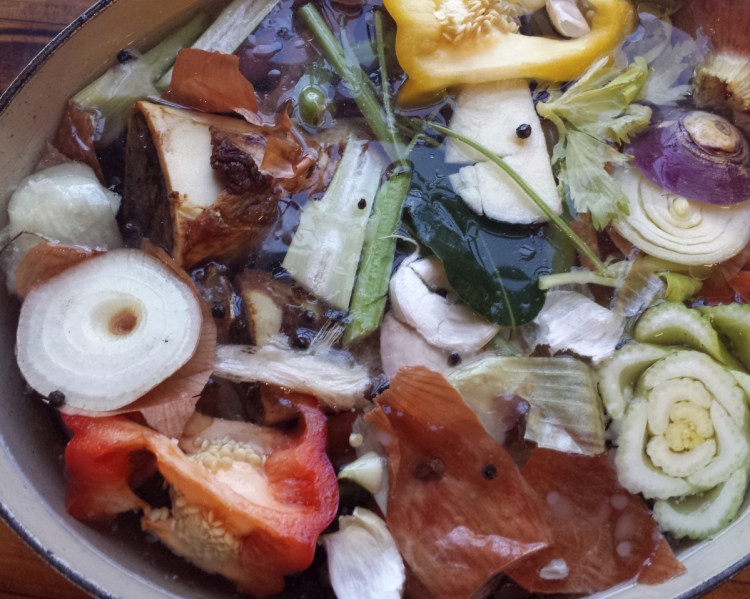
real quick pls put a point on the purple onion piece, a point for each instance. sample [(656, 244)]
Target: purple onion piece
[(697, 155)]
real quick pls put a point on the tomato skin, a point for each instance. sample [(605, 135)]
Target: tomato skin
[(277, 538)]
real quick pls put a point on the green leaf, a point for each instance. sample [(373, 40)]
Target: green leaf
[(600, 99), (589, 185), (494, 267), (593, 114)]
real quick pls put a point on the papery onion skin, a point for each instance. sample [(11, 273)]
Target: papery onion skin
[(668, 155)]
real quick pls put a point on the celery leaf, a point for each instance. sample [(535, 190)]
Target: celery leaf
[(592, 115)]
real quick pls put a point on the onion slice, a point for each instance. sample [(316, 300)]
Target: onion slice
[(108, 330)]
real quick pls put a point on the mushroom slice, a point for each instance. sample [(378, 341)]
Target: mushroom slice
[(422, 297), (108, 330)]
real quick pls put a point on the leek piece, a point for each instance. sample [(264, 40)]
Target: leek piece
[(618, 374), (371, 287), (566, 412), (110, 98), (635, 471), (230, 29), (701, 516), (732, 321), (326, 247), (672, 323)]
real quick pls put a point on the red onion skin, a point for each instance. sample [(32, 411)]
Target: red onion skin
[(666, 155)]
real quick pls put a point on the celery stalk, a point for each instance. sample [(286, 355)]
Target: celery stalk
[(229, 30), (110, 98), (325, 251)]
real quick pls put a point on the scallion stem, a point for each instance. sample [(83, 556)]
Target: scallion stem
[(371, 288), (555, 219), (380, 45)]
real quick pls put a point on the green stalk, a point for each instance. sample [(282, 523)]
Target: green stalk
[(110, 98), (355, 79), (601, 269), (380, 44), (230, 29), (371, 287)]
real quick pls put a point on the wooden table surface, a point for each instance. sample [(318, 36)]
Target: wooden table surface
[(25, 26)]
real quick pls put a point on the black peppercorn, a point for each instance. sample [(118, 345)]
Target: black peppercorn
[(56, 399), (523, 131), (218, 311), (362, 204), (489, 472), (454, 359), (125, 55)]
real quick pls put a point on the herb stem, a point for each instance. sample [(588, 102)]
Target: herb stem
[(554, 218), (355, 79)]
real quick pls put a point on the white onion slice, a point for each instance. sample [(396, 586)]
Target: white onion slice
[(105, 332)]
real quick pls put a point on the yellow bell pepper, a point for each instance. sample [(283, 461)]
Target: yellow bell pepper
[(440, 43)]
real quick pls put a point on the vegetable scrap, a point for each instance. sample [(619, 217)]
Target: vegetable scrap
[(426, 299)]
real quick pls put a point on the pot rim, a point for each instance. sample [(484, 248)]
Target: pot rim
[(6, 98)]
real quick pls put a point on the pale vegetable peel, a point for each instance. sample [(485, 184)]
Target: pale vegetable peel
[(64, 203), (108, 330), (339, 386), (363, 560), (566, 409)]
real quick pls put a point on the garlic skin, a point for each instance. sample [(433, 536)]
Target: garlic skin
[(363, 560), (422, 297), (567, 18)]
